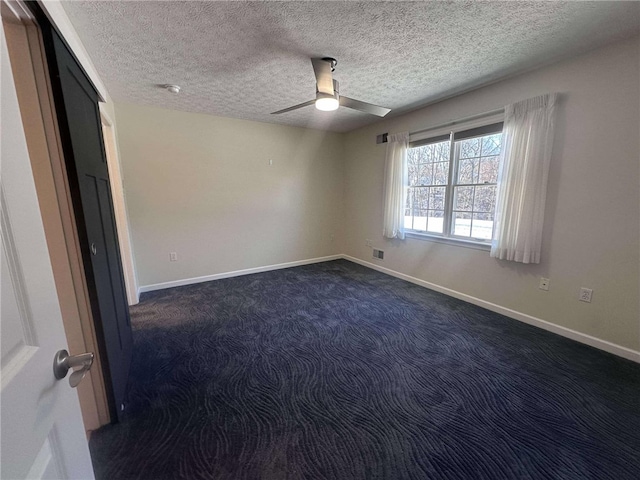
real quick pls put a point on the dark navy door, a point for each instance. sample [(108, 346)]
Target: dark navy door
[(78, 114)]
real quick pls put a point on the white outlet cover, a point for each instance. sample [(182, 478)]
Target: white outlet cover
[(585, 295)]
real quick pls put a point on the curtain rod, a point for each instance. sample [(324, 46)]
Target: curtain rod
[(383, 137)]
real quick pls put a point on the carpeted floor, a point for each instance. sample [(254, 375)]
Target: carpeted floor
[(335, 371)]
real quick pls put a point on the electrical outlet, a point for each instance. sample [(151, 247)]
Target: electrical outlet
[(173, 257), (368, 243), (585, 295), (544, 284)]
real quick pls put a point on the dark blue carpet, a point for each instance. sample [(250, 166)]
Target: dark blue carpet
[(335, 371)]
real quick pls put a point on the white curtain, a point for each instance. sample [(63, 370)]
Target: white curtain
[(395, 185), (522, 183)]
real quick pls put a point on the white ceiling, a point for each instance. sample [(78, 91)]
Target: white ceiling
[(247, 59)]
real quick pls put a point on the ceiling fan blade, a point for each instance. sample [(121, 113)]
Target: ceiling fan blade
[(324, 78), (364, 106), (295, 107)]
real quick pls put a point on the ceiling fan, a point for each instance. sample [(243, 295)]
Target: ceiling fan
[(327, 92)]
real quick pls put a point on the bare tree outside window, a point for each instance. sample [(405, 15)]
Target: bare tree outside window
[(465, 208), (428, 178)]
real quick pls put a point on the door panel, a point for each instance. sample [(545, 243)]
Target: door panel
[(42, 431), (81, 133)]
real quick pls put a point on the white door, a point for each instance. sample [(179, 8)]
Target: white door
[(41, 430)]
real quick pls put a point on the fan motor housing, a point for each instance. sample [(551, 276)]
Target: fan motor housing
[(336, 92)]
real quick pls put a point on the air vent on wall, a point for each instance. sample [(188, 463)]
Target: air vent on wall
[(379, 254)]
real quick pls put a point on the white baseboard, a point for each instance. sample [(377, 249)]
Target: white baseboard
[(618, 350), (235, 273)]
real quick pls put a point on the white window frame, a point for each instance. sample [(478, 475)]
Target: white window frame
[(451, 130)]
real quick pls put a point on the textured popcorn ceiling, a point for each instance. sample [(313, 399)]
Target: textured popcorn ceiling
[(247, 59)]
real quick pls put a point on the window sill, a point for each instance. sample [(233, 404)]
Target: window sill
[(449, 241)]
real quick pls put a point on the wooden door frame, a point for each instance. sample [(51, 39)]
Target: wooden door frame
[(29, 66), (119, 206)]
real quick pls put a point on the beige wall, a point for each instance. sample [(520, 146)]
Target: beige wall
[(202, 186), (591, 235)]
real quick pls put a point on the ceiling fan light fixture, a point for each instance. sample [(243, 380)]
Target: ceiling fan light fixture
[(327, 102)]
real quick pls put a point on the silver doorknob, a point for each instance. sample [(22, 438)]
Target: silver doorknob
[(62, 362)]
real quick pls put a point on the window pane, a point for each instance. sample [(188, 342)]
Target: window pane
[(408, 210), (491, 144), (463, 198), (435, 152), (462, 224), (470, 148), (485, 199), (408, 201), (440, 173), (421, 198), (468, 171), (413, 170), (482, 226), (436, 198), (435, 221), (489, 169), (429, 164), (420, 220), (413, 156), (442, 151), (426, 154), (421, 154), (425, 175)]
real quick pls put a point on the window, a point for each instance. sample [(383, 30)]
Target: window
[(452, 184)]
